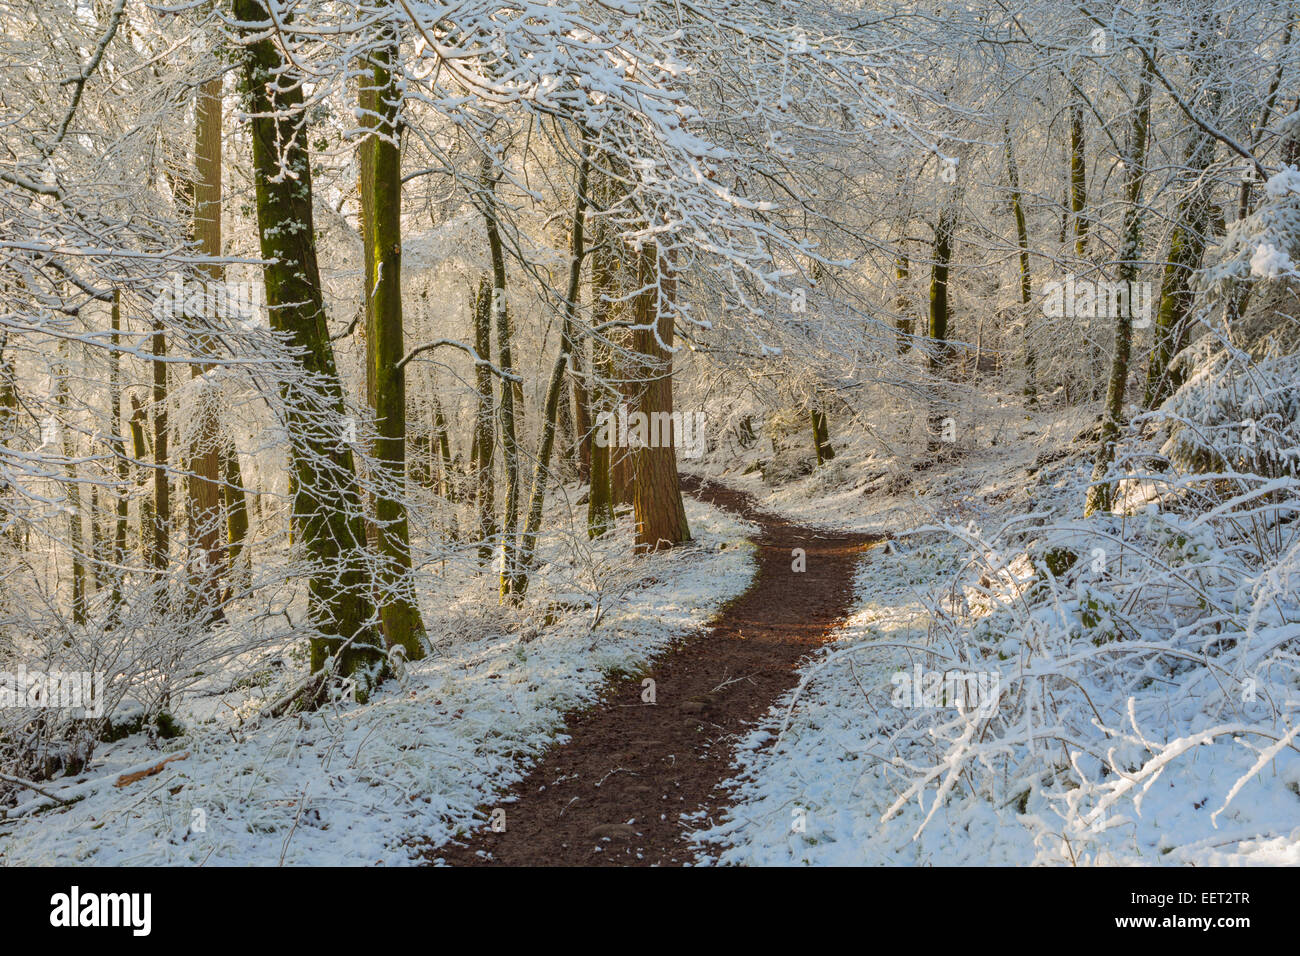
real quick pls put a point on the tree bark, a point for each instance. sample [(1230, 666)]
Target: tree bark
[(402, 623), (327, 503), (1188, 239), (204, 484), (120, 467), (509, 396), (1022, 241), (600, 501), (1100, 495), (657, 506), (555, 388), (1078, 172), (484, 432), (162, 505)]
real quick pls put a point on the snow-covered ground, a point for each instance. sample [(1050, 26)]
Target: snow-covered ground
[(1127, 729), (349, 784)]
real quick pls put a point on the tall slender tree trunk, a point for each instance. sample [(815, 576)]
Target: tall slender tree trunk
[(555, 387), (327, 503), (581, 412), (76, 538), (484, 432), (944, 232), (206, 525), (904, 324), (121, 470), (236, 514), (509, 403), (442, 441), (1188, 239), (385, 349), (140, 451), (1078, 170), (1101, 494), (8, 417), (600, 501), (941, 351), (162, 503), (1022, 242)]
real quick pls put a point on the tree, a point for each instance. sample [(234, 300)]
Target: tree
[(657, 505), (327, 504), (382, 224), (555, 387), (1101, 493), (208, 565)]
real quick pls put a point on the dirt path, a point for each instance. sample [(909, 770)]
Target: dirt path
[(614, 794)]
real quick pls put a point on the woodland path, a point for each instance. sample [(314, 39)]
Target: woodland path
[(614, 793)]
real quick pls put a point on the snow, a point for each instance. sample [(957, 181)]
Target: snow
[(1150, 748), (350, 784)]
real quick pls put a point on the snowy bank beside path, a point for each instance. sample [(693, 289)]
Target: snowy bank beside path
[(352, 785)]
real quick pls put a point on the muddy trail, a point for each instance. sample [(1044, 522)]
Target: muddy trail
[(615, 793)]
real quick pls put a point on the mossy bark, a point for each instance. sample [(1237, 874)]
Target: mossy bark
[(821, 435), (1100, 495), (1188, 239), (402, 623), (327, 503)]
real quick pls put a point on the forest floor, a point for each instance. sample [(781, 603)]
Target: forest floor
[(635, 778)]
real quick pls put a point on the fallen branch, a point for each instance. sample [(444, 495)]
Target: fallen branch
[(31, 786), (129, 778)]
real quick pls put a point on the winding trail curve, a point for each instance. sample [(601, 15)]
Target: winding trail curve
[(615, 793)]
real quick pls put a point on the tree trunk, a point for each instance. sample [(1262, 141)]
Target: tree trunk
[(821, 435), (236, 515), (162, 504), (1188, 239), (600, 501), (657, 499), (1078, 171), (327, 502), (509, 397), (904, 324), (944, 230), (76, 540), (1022, 241), (140, 451), (581, 412), (120, 467), (555, 388), (205, 504), (1101, 494), (401, 619), (484, 438), (447, 478)]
